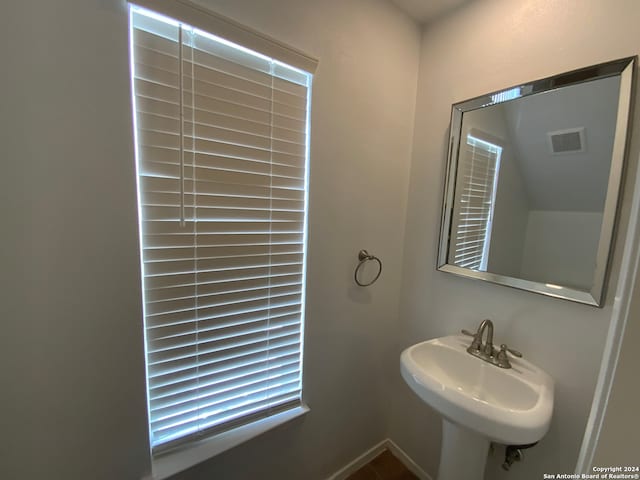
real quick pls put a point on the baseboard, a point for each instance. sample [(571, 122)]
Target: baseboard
[(407, 460), (359, 462), (372, 453)]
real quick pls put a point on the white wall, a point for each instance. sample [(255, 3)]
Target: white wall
[(556, 247), (72, 360), (482, 47)]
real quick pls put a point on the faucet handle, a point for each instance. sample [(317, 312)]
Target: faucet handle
[(476, 343), (502, 359), (515, 353)]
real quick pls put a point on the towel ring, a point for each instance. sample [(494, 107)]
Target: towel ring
[(364, 256)]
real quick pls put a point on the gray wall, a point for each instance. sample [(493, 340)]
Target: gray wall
[(509, 218), (73, 402), (618, 441), (511, 204), (73, 397), (486, 46), (561, 247)]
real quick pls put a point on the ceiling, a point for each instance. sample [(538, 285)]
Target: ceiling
[(571, 181), (426, 10)]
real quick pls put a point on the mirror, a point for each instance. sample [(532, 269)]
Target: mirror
[(533, 180)]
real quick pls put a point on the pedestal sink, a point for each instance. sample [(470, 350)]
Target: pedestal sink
[(478, 401)]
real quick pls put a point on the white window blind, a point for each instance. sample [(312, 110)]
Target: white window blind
[(477, 180), (221, 146)]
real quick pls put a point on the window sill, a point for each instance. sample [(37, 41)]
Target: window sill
[(174, 462)]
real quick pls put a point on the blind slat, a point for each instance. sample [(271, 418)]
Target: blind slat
[(246, 393), (232, 409), (169, 380), (179, 390), (164, 349), (245, 390), (231, 134), (170, 371)]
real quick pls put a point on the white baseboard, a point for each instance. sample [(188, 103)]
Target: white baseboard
[(407, 460), (359, 462), (372, 453)]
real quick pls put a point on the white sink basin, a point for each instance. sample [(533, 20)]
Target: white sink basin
[(508, 406)]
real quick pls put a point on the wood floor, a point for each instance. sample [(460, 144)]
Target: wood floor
[(384, 467)]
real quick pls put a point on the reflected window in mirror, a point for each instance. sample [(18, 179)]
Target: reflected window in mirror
[(473, 216)]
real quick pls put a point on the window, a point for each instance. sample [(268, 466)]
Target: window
[(478, 178), (221, 151)]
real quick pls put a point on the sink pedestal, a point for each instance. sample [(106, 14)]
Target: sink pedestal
[(463, 454)]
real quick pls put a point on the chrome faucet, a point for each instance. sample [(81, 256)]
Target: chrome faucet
[(488, 345), (477, 349), (487, 352)]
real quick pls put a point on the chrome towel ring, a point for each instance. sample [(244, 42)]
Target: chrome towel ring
[(364, 256)]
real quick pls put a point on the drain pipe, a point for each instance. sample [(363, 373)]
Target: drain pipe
[(514, 453)]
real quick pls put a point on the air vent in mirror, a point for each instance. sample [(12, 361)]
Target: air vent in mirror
[(567, 141)]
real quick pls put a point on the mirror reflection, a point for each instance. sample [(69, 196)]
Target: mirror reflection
[(529, 187)]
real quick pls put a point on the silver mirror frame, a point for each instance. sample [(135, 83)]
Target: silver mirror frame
[(625, 68)]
